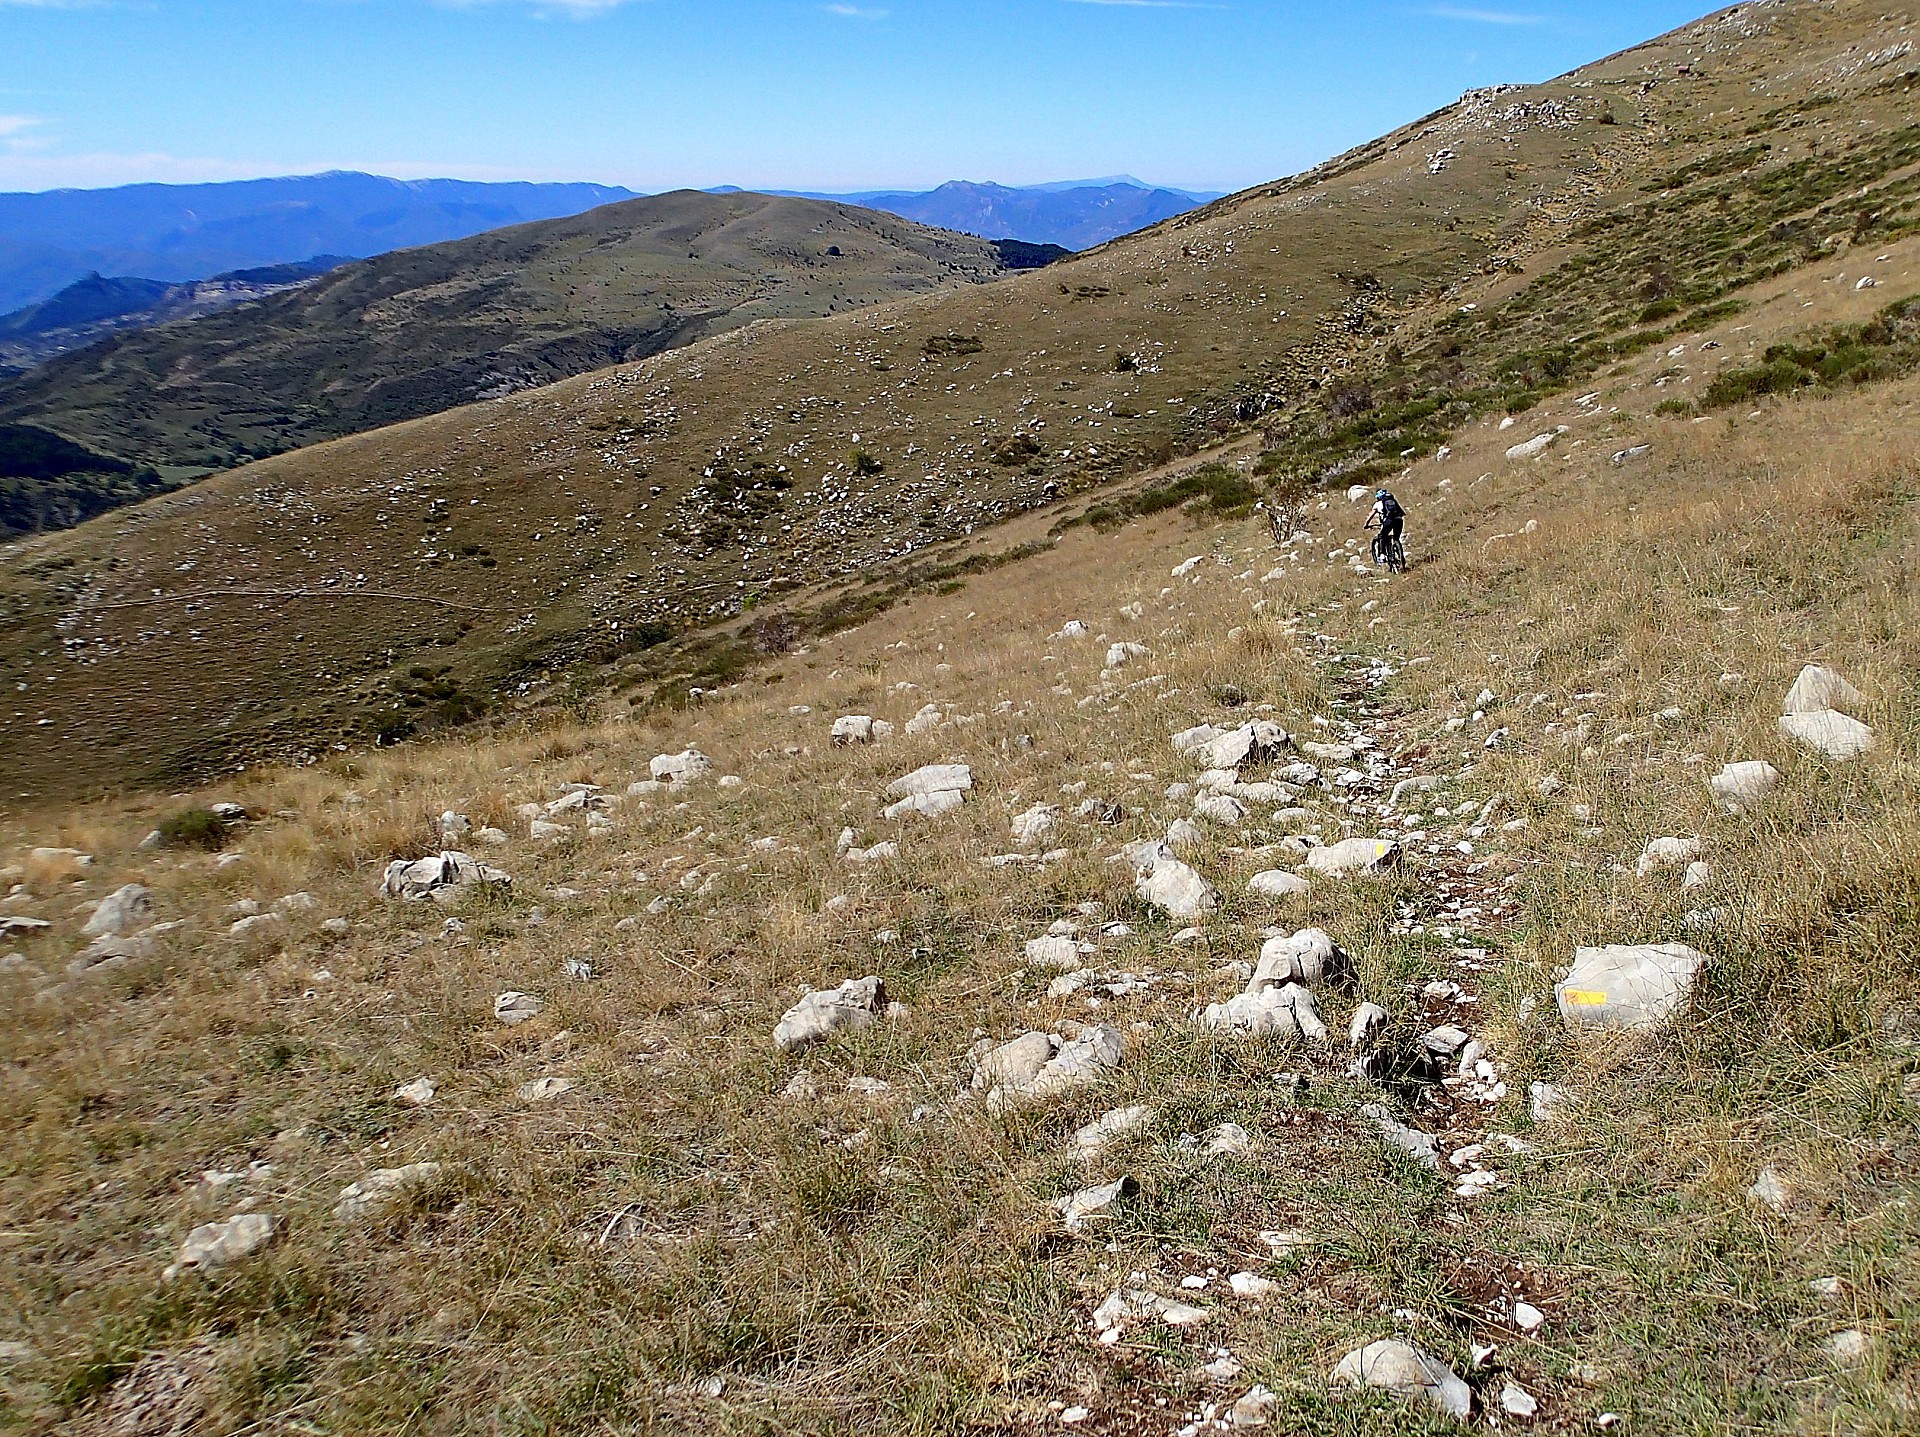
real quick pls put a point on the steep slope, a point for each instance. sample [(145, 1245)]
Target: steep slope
[(1503, 248), (637, 1214), (89, 309), (418, 331), (186, 232)]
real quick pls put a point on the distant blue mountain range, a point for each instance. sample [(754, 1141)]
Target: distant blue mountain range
[(1076, 213), (191, 232), (179, 233)]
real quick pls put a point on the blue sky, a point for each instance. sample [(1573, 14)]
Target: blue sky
[(800, 94)]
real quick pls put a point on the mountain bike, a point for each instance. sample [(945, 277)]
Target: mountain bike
[(1390, 552)]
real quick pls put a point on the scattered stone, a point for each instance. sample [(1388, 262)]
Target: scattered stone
[(1250, 1285), (1665, 853), (1355, 857), (121, 911), (688, 766), (1275, 883), (1744, 786), (1627, 986), (1174, 887), (854, 1005), (1247, 746), (1255, 1409), (1038, 1067), (1771, 1190), (1110, 1127), (1832, 735), (543, 1090), (1133, 1303), (859, 728), (214, 1244), (1229, 1140), (435, 876), (1306, 957), (418, 1093), (1406, 1372), (513, 1008), (1219, 808), (380, 1187), (1818, 690), (1516, 1401), (931, 791), (1077, 1210), (1698, 875), (1121, 653), (245, 928), (1369, 1022), (1421, 1147), (1527, 1317), (1286, 1011), (1032, 828), (1848, 1347), (1193, 740), (1533, 448)]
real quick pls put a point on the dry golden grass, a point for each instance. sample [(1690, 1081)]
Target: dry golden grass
[(890, 1263)]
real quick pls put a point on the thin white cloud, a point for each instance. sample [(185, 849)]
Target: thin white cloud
[(11, 125), (855, 12), (1484, 17), (1153, 4), (573, 9)]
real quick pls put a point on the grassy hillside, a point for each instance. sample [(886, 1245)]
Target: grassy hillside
[(422, 330), (659, 525), (645, 1218)]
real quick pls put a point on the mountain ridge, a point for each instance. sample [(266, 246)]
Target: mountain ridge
[(643, 525), (406, 334)]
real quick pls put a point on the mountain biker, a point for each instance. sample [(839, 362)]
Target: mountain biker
[(1390, 519)]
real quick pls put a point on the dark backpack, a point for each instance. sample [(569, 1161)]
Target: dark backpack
[(1390, 510)]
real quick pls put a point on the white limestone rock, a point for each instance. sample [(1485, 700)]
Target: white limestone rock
[(1192, 740), (1248, 746), (930, 791), (1355, 858), (1306, 958), (215, 1244), (1666, 853), (1742, 787), (1632, 986), (1075, 1064), (438, 875), (688, 766), (1176, 889), (854, 1005), (1218, 808), (852, 729), (1034, 827), (121, 911), (1110, 1127), (382, 1186), (1407, 1372), (1077, 1210), (1277, 884), (513, 1008), (1818, 690), (1287, 1011), (1828, 733)]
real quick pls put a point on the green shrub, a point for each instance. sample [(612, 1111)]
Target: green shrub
[(194, 828)]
